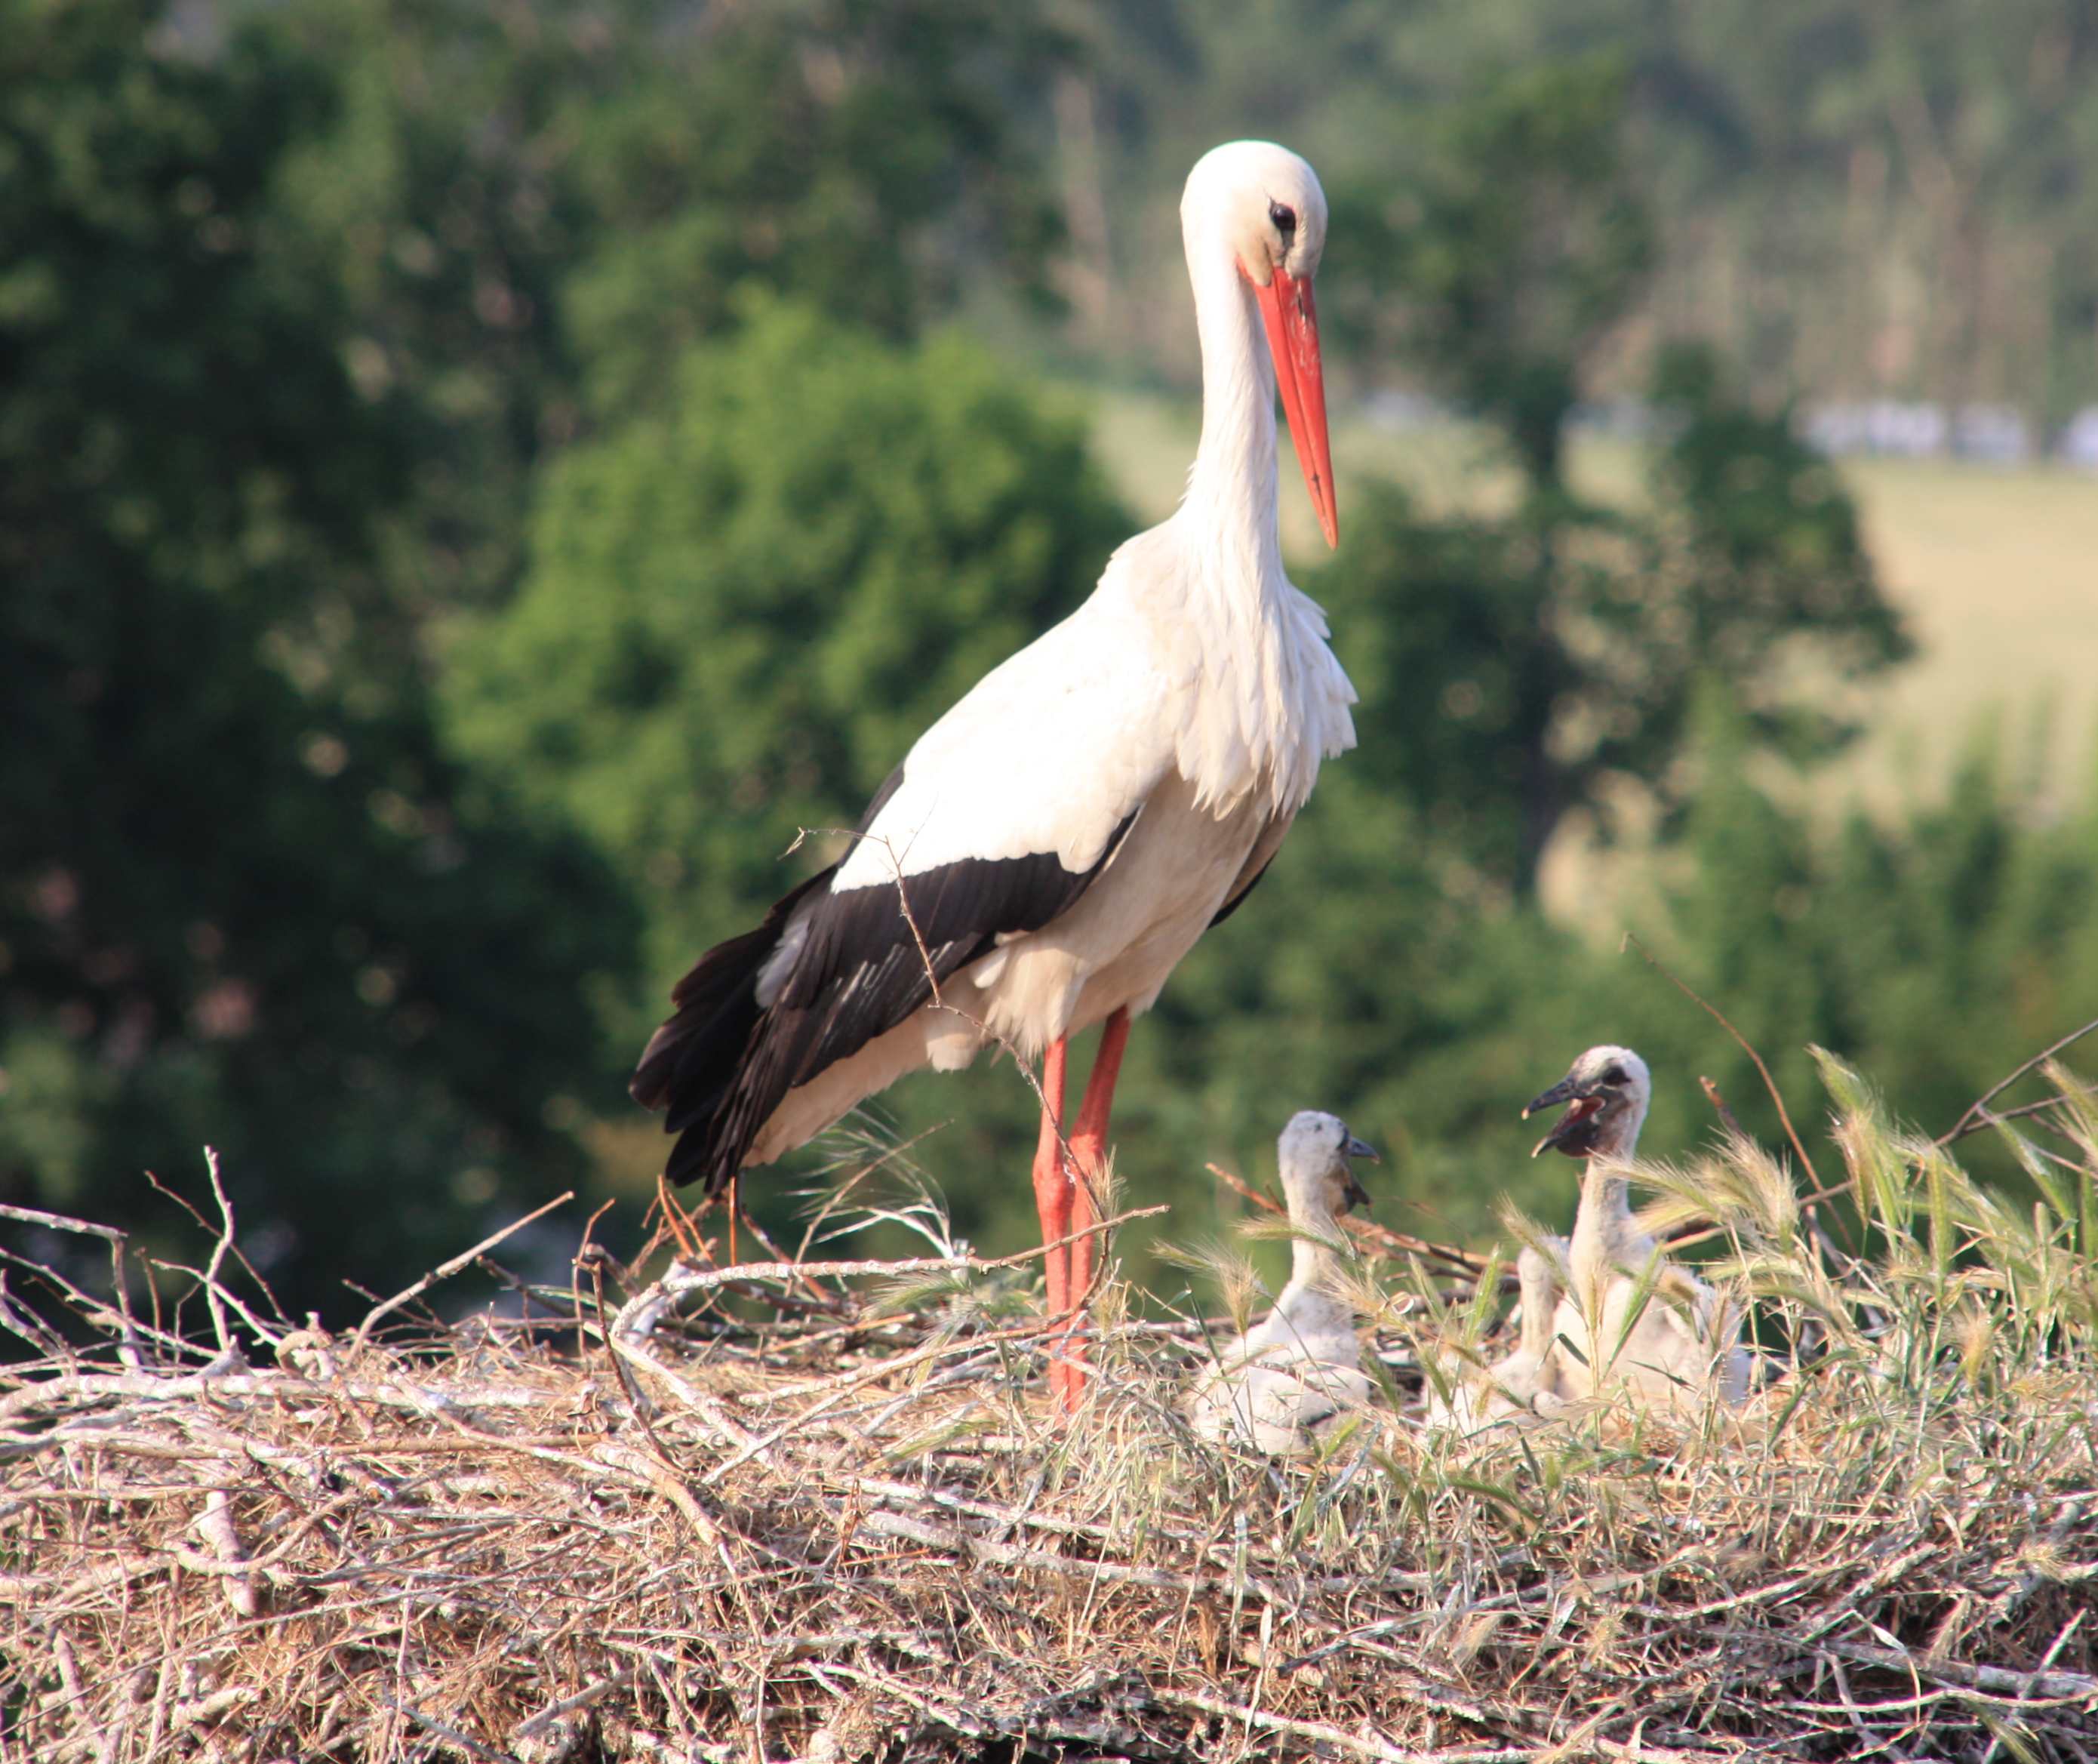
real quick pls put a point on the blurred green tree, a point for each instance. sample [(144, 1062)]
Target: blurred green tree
[(1514, 667), (744, 606), (1565, 640), (530, 210), (865, 156), (1504, 263), (246, 896), (1943, 945)]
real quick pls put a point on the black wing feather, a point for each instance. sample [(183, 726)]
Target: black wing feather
[(724, 1063), (1238, 900)]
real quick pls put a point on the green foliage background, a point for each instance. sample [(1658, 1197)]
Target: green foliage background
[(475, 483)]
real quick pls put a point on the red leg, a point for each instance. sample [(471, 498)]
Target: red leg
[(1089, 1144), (1052, 1202)]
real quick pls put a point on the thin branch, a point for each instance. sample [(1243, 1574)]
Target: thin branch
[(1742, 1041), (1979, 1107), (58, 1221), (638, 1318), (408, 1295)]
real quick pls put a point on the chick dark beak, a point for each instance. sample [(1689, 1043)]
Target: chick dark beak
[(1352, 1189), (1563, 1091), (1573, 1132)]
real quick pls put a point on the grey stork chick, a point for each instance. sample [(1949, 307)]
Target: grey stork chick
[(1631, 1327), (1295, 1371), (1529, 1381)]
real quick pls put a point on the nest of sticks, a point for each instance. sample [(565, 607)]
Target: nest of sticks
[(823, 1510)]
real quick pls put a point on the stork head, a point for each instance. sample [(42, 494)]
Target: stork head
[(1260, 206), (1316, 1175), (1606, 1096)]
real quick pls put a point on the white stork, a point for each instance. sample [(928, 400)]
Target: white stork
[(1529, 1380), (1064, 834)]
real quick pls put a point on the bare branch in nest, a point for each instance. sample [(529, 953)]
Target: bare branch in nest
[(59, 1222), (465, 1259), (214, 1525), (638, 1318)]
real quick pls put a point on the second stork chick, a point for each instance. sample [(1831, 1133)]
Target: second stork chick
[(1530, 1380), (1641, 1328), (1297, 1369)]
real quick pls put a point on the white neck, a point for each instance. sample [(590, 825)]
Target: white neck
[(1539, 1299), (1270, 701), (1606, 1191), (1231, 489), (1313, 1257), (1604, 1226), (1310, 1315)]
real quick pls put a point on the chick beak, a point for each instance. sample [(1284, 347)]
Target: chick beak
[(1566, 1132), (1351, 1187)]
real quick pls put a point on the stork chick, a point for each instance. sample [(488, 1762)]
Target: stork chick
[(1530, 1380), (1681, 1345), (1294, 1370)]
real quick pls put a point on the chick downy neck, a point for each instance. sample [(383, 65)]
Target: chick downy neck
[(1540, 1300), (1314, 1257), (1605, 1238), (1606, 1195), (1309, 1314)]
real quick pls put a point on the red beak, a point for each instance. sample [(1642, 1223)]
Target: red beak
[(1292, 337)]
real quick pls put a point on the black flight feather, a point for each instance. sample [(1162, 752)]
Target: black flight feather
[(1238, 900), (723, 1063)]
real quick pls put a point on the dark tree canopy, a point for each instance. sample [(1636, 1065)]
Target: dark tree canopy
[(245, 896), (530, 209)]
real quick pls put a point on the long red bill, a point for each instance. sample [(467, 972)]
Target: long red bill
[(1292, 337)]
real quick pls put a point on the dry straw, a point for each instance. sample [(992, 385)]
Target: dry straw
[(677, 1522)]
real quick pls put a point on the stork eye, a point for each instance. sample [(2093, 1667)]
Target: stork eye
[(1284, 219), (1613, 1074)]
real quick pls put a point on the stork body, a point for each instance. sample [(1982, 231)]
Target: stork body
[(1051, 847), (1279, 1384)]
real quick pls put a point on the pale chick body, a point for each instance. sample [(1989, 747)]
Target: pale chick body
[(1528, 1381), (1680, 1349), (1626, 1327), (1292, 1375)]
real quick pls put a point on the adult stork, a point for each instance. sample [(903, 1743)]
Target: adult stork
[(1053, 846)]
